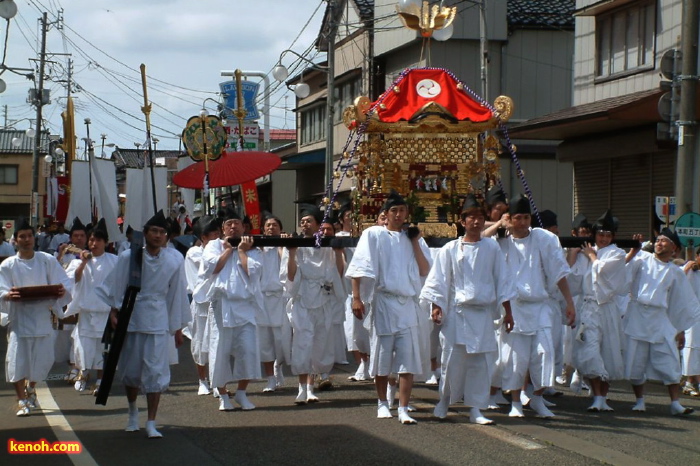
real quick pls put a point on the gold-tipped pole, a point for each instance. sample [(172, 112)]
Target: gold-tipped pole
[(146, 109)]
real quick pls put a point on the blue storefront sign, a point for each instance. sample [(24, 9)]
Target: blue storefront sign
[(230, 94)]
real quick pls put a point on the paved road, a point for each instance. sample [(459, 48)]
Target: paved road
[(342, 429)]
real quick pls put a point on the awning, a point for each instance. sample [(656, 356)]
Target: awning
[(600, 7), (297, 161), (602, 116)]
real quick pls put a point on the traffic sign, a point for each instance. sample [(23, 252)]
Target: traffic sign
[(688, 229), (665, 207)]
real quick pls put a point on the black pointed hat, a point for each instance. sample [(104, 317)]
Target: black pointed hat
[(101, 225), (158, 220), (22, 224), (129, 230), (548, 219), (77, 225), (606, 222), (471, 202), (519, 205), (231, 214), (672, 235), (580, 221), (199, 224), (344, 208), (394, 199), (310, 210), (495, 195)]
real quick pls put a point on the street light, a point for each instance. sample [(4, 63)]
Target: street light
[(281, 73), (103, 136)]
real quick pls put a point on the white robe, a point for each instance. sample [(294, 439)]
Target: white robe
[(537, 265), (390, 280), (92, 310), (470, 282), (317, 295), (598, 349), (30, 321), (160, 310), (662, 304), (236, 300), (662, 301), (198, 328), (274, 327)]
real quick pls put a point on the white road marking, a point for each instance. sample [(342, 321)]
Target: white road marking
[(60, 426)]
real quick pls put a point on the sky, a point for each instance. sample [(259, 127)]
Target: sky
[(184, 45)]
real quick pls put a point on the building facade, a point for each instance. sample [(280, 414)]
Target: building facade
[(610, 133)]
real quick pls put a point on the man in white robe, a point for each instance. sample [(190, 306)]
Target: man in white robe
[(386, 271), (597, 348), (64, 346), (30, 347), (534, 259), (206, 229), (662, 307), (467, 284), (316, 289), (160, 313), (236, 299), (87, 273), (273, 324)]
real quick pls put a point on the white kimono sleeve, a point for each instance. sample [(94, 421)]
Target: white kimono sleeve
[(112, 290), (608, 274), (179, 314), (436, 289), (364, 266), (683, 306)]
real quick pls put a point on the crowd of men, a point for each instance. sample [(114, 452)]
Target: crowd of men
[(503, 309)]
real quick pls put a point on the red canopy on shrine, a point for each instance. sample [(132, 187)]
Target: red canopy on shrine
[(422, 86)]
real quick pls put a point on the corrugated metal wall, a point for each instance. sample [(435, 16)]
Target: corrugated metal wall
[(628, 185)]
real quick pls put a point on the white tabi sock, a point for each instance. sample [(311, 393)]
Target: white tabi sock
[(133, 409)]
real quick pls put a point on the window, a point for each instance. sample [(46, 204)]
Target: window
[(8, 174), (344, 94), (313, 124), (625, 40)]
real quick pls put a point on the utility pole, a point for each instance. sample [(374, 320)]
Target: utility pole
[(484, 52), (686, 195), (4, 107), (34, 207), (330, 87)]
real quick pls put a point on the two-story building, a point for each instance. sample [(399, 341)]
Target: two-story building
[(610, 132), (16, 173)]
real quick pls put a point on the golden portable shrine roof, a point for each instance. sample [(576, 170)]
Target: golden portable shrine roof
[(428, 100)]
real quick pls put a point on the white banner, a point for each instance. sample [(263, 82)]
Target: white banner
[(104, 186), (139, 197), (79, 205)]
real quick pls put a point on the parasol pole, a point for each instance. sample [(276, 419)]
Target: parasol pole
[(240, 114), (205, 193), (146, 109), (90, 153)]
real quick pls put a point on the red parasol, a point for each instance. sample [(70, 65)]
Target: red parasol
[(231, 169)]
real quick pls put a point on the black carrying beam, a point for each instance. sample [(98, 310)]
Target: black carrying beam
[(115, 337)]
